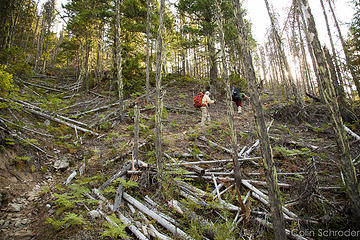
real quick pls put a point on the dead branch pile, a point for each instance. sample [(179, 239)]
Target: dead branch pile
[(147, 218)]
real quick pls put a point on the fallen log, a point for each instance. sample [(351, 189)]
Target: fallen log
[(288, 232), (43, 87), (215, 144), (227, 179), (28, 105), (279, 173), (72, 175), (31, 144), (286, 218), (154, 207), (204, 223), (156, 234), (150, 228), (25, 128), (79, 103), (357, 137), (61, 121), (216, 187), (98, 94), (219, 187), (262, 195), (247, 153), (118, 196), (131, 227), (291, 142), (121, 173), (210, 162), (313, 97), (97, 109), (173, 229), (223, 191), (200, 194)]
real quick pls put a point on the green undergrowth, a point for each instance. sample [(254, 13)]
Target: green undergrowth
[(72, 205)]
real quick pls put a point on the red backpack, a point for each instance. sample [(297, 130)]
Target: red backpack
[(198, 100)]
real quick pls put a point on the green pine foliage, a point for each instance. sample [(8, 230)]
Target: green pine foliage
[(7, 88), (70, 219), (114, 231), (15, 60), (6, 81)]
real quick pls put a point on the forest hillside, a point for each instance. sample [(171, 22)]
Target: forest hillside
[(100, 138)]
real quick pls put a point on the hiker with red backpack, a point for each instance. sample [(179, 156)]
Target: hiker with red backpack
[(202, 101)]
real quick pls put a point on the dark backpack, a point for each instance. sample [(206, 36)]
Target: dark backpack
[(198, 100), (236, 94)]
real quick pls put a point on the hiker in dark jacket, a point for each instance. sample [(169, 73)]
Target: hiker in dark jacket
[(238, 97)]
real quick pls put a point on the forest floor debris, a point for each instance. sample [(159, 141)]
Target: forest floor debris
[(196, 199)]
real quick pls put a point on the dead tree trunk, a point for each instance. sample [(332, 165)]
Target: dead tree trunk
[(284, 60), (336, 72), (86, 64), (304, 63), (212, 61), (136, 137), (158, 105), (229, 106), (347, 166), (311, 51), (40, 45), (50, 7), (270, 170), (119, 59), (148, 2), (340, 85), (263, 64), (355, 76)]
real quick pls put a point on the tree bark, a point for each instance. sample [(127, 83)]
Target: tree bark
[(212, 62), (178, 233), (148, 3), (311, 52), (355, 76), (40, 45), (270, 170), (158, 105), (86, 64), (119, 59), (229, 106), (50, 6), (340, 85), (136, 136)]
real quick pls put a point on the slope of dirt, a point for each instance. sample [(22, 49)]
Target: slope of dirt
[(31, 188)]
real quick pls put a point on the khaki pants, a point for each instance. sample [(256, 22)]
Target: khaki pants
[(205, 116)]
